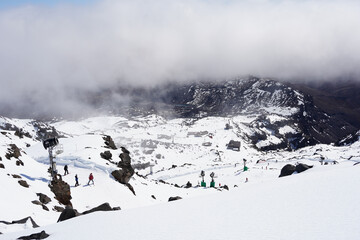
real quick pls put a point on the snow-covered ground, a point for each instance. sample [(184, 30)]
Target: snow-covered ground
[(320, 203)]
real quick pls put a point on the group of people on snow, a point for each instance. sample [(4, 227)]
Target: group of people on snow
[(91, 177)]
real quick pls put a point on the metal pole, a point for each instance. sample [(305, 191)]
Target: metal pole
[(51, 162)]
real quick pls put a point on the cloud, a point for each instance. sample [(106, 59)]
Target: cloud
[(52, 52)]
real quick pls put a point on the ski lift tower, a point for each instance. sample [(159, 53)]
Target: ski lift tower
[(49, 145), (202, 175), (212, 183)]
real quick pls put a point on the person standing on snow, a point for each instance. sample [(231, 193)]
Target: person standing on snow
[(91, 179), (76, 180), (66, 170)]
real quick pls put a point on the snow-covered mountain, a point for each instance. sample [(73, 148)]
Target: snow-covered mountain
[(171, 139), (279, 110), (167, 155)]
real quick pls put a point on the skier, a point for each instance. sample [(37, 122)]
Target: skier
[(66, 170), (91, 179), (76, 180)]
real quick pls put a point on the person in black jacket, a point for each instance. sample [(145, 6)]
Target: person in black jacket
[(66, 170)]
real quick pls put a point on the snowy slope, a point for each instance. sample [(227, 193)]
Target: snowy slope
[(175, 148), (319, 204)]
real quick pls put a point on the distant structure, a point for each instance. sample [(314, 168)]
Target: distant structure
[(207, 144), (234, 145)]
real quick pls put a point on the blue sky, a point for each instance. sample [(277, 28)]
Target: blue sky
[(15, 3)]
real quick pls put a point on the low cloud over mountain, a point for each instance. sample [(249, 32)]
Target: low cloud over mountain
[(51, 53)]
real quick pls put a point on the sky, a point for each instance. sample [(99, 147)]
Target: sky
[(54, 49)]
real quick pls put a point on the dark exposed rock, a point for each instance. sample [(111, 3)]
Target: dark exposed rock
[(350, 139), (302, 167), (124, 150), (19, 163), (287, 170), (21, 133), (109, 142), (153, 197), (2, 165), (43, 198), (102, 207), (68, 213), (45, 131), (225, 187), (58, 208), (174, 198), (13, 151), (15, 176), (36, 202), (188, 185), (106, 155), (23, 183), (124, 174), (22, 221), (61, 190), (40, 235), (130, 188), (45, 207)]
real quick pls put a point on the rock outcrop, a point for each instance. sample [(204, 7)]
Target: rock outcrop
[(102, 207), (61, 190), (106, 155), (23, 183), (68, 213), (287, 170), (13, 151), (124, 174), (43, 198), (40, 235), (302, 167), (174, 198), (109, 143)]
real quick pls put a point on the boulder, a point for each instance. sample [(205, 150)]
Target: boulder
[(102, 207), (124, 174), (19, 163), (287, 170), (43, 198), (36, 202), (302, 167), (23, 183), (188, 185), (174, 198), (58, 208), (61, 190), (40, 235), (68, 213), (109, 143), (45, 207), (22, 221), (13, 151), (106, 155)]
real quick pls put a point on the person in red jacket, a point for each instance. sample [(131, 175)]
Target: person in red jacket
[(91, 179)]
